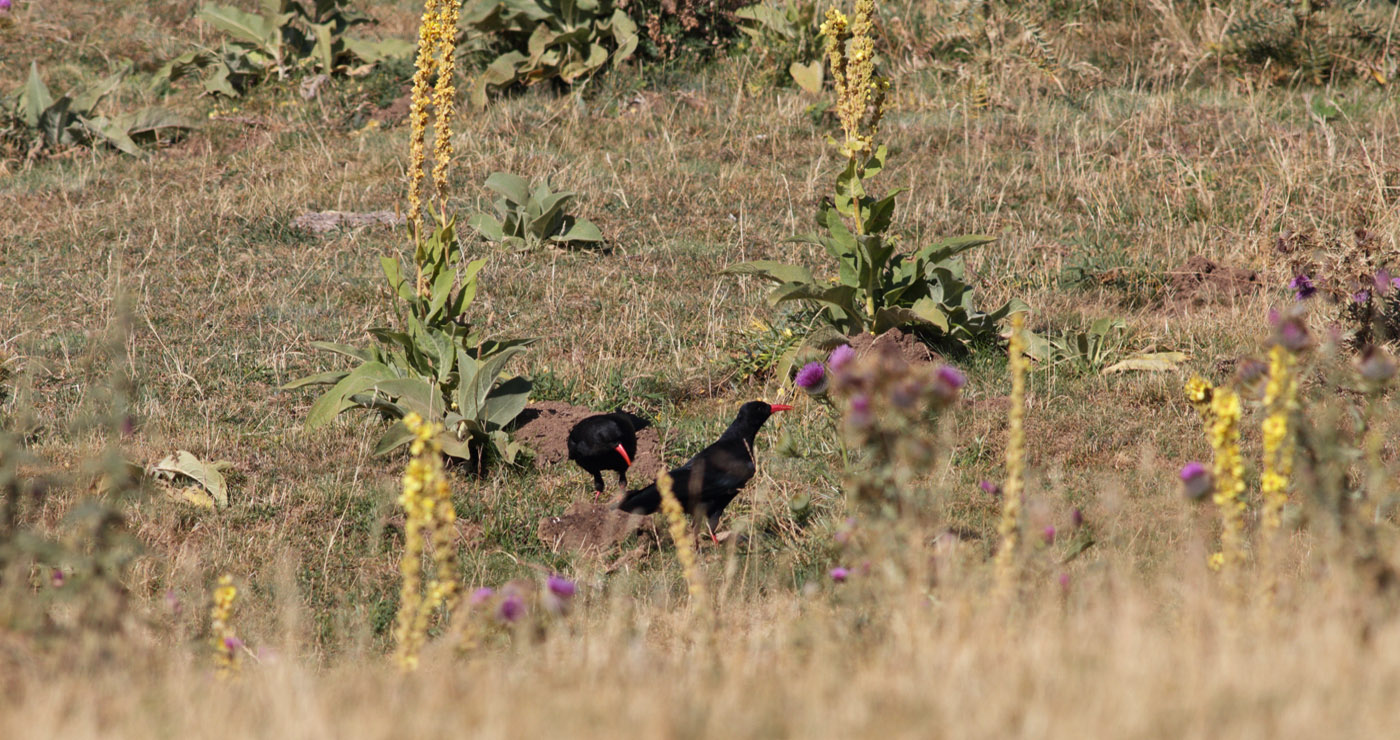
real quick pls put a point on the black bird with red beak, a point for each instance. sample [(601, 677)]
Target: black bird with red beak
[(606, 442), (706, 483)]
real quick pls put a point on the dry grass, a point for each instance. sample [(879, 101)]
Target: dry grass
[(1137, 166)]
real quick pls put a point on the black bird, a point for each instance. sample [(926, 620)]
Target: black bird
[(706, 483), (606, 442)]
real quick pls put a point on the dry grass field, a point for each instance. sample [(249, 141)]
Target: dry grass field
[(159, 302)]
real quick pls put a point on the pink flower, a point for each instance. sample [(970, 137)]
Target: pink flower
[(1195, 480), (812, 378), (1076, 517), (1064, 582), (839, 574), (482, 595), (5, 5), (57, 575), (561, 587), (232, 644), (840, 357), (512, 608), (1049, 535), (952, 376)]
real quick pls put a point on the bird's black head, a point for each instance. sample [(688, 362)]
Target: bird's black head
[(752, 415)]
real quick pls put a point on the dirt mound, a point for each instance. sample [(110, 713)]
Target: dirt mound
[(586, 527), (1199, 281), (544, 427), (909, 347), (396, 111)]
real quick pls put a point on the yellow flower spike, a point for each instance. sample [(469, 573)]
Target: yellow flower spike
[(1229, 476), (1009, 529), (444, 99), (221, 634), (685, 549), (1280, 401), (424, 67), (427, 503)]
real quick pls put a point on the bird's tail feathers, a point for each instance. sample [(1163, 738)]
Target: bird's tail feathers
[(638, 422), (641, 501)]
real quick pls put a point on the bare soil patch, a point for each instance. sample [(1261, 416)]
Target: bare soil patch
[(907, 345), (1200, 281), (589, 528)]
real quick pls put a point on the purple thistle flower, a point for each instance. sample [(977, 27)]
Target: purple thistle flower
[(1303, 287), (1049, 535), (840, 358), (1384, 282), (512, 608), (232, 644), (5, 5), (839, 574), (1293, 335), (812, 378), (990, 488), (561, 587), (1076, 517), (1361, 296), (57, 575), (1195, 480), (1064, 582), (952, 376), (482, 595)]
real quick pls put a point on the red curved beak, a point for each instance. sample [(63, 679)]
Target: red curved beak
[(623, 451), (780, 407)]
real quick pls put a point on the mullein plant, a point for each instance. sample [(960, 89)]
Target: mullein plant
[(1013, 488), (428, 516)]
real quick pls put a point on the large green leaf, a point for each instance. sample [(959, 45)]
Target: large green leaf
[(85, 101), (506, 401), (377, 51), (112, 132), (263, 32), (337, 399), (487, 226), (415, 394), (35, 98), (355, 353), (330, 377), (513, 187), (945, 249), (397, 436), (579, 230)]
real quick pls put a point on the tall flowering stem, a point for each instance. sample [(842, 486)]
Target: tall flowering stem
[(221, 634), (433, 82), (427, 505), (1280, 402), (1015, 459), (860, 102), (1229, 478), (685, 548)]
